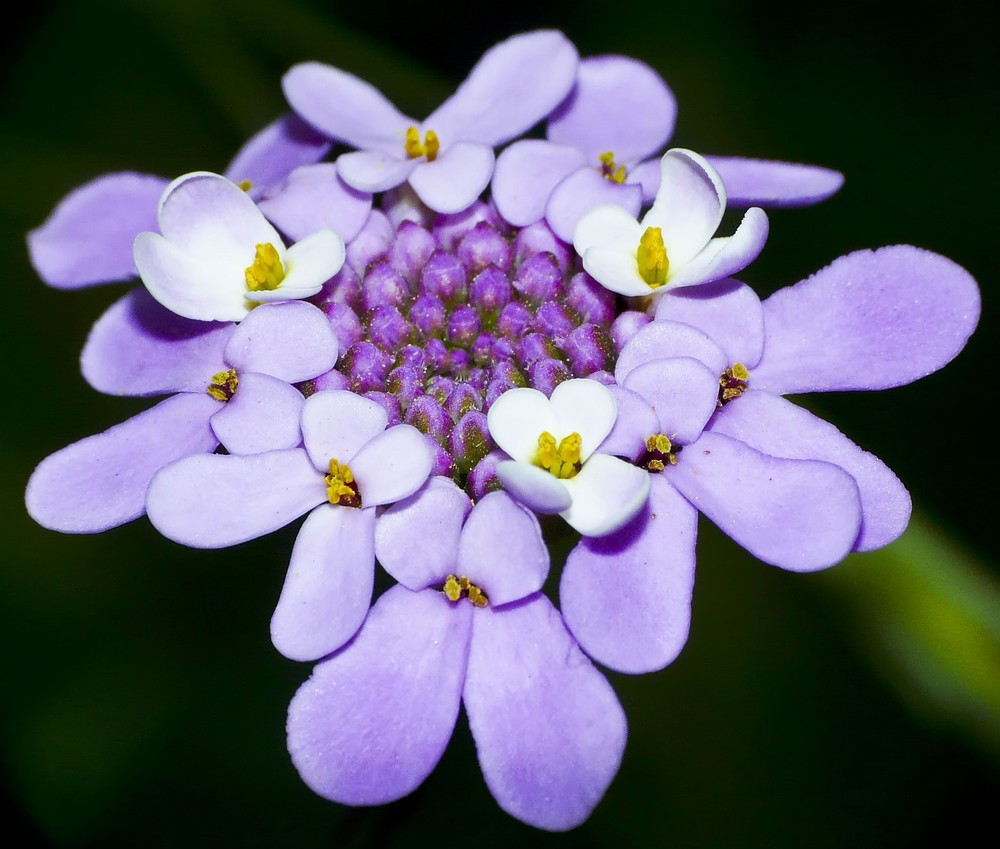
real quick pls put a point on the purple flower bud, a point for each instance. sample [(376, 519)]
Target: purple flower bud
[(372, 241), (539, 279), (534, 347), (345, 323), (547, 373), (606, 378), (514, 320), (428, 416), (626, 326), (538, 238), (470, 440), (477, 378), (388, 329), (459, 362), (428, 313), (333, 379), (444, 275), (483, 477), (589, 348), (437, 355), (495, 388), (463, 325), (440, 387), (463, 399), (481, 349), (506, 370), (406, 383), (384, 285), (449, 229), (411, 248), (490, 291), (390, 403), (551, 320), (482, 247), (592, 302), (503, 349), (412, 356), (444, 465), (366, 367), (344, 288)]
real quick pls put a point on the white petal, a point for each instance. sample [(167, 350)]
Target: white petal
[(309, 263), (607, 226), (585, 407), (607, 494), (516, 420), (534, 487)]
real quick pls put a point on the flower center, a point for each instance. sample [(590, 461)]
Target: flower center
[(660, 453), (429, 148), (609, 171), (223, 385), (341, 488), (562, 461), (733, 383), (652, 258), (266, 272), (456, 588)]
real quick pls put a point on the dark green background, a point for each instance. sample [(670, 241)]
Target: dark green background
[(142, 703)]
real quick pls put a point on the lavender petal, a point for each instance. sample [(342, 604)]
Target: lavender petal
[(263, 415), (525, 175), (455, 179), (276, 151), (762, 182)]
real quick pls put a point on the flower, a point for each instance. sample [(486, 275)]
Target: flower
[(555, 468), (349, 465), (673, 245), (228, 383), (88, 238), (218, 256), (374, 719), (448, 159)]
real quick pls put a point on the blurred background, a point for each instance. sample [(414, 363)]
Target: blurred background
[(141, 702)]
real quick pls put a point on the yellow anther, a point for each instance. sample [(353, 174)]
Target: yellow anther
[(341, 488), (733, 383), (659, 443), (660, 453), (223, 385), (456, 588), (266, 272), (610, 171), (652, 258), (562, 460), (415, 149), (246, 185)]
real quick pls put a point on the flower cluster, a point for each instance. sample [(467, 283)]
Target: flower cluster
[(425, 345)]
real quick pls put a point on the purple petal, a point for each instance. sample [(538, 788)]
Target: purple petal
[(141, 348), (636, 421), (373, 721), (801, 515), (725, 256), (328, 587), (216, 500), (375, 170), (647, 175), (455, 179), (88, 237), (683, 393), (314, 197), (416, 540), (762, 182), (292, 341), (534, 487), (661, 340), (869, 320), (336, 423), (627, 597), (618, 105), (100, 482), (502, 551), (727, 310), (512, 87), (263, 415), (581, 192), (273, 153), (344, 107), (782, 429), (525, 175), (392, 465), (549, 730)]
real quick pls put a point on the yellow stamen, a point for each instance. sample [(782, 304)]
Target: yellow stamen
[(341, 488), (223, 385), (456, 588), (733, 383), (610, 171), (562, 460), (415, 149), (266, 272), (660, 453), (246, 185), (652, 258)]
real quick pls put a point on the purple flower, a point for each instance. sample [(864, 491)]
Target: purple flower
[(447, 159), (88, 238), (349, 465), (232, 385), (373, 720)]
